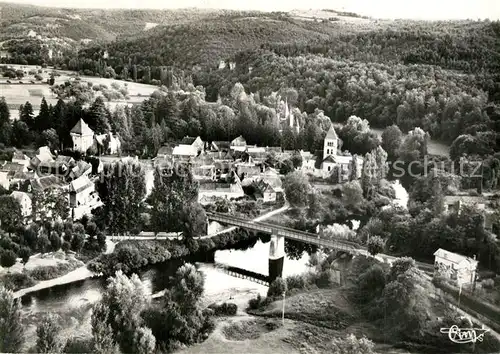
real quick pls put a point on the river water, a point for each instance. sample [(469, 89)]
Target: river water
[(73, 302)]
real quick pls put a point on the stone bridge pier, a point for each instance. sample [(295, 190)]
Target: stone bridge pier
[(276, 257)]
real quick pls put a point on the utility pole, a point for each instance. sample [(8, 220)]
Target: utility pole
[(283, 312)]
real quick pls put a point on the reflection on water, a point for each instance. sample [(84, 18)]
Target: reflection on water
[(73, 301)]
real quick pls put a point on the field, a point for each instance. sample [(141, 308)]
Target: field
[(16, 93)]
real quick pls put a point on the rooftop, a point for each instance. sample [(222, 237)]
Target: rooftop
[(188, 140), (81, 128), (454, 257), (47, 182), (331, 134), (185, 150), (80, 184)]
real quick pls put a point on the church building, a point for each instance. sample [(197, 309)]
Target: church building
[(330, 150)]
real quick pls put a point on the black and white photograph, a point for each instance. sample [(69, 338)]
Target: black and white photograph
[(219, 177)]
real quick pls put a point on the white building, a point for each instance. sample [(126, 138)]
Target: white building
[(82, 136), (25, 201), (83, 197), (185, 151), (331, 143), (209, 192), (107, 144), (20, 158), (456, 267)]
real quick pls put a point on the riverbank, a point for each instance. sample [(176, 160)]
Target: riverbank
[(76, 275)]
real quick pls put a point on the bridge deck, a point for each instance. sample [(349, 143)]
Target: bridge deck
[(339, 244)]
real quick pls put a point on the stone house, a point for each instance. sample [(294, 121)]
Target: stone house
[(24, 200), (453, 266)]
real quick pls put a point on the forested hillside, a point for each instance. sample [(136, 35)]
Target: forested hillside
[(95, 24)]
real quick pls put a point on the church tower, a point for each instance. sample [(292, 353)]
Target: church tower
[(330, 145)]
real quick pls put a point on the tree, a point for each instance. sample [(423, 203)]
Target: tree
[(8, 258), (145, 341), (125, 298), (98, 117), (48, 334), (400, 266), (24, 253), (181, 319), (43, 120), (392, 138), (414, 146), (102, 334), (352, 345), (43, 243), (20, 134), (375, 245), (297, 188), (122, 189), (49, 138), (194, 221), (77, 241), (277, 288), (173, 190), (26, 115), (352, 193), (4, 112), (55, 241), (11, 328), (10, 213)]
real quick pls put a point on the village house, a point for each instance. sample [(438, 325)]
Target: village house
[(83, 197), (308, 161), (264, 191), (12, 173), (24, 200), (238, 144), (107, 144), (164, 152), (184, 152), (43, 155), (247, 169), (219, 146), (82, 136), (203, 168), (210, 191), (196, 143), (453, 204), (59, 166), (20, 158), (453, 266), (257, 154)]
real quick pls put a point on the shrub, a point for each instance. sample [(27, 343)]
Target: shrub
[(276, 288), (488, 283), (255, 303), (325, 279), (295, 282), (271, 324), (78, 345), (17, 281), (224, 309)]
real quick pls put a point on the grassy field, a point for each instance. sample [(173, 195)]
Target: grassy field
[(16, 94)]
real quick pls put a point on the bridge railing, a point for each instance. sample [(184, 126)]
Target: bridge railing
[(298, 235)]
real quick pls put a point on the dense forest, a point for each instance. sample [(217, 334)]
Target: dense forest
[(440, 76)]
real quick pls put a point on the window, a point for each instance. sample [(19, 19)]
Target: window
[(329, 167)]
